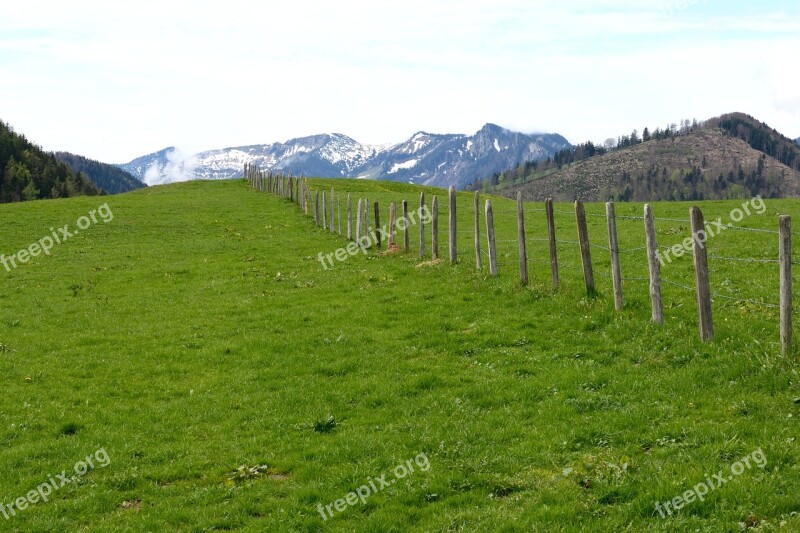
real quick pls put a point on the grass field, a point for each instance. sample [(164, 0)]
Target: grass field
[(235, 384)]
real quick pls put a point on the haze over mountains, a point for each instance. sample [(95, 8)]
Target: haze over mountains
[(425, 158)]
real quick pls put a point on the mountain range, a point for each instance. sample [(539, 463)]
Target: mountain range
[(425, 158)]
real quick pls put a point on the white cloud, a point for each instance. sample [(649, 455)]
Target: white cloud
[(95, 78), (180, 166)]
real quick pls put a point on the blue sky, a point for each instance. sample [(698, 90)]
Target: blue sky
[(117, 80)]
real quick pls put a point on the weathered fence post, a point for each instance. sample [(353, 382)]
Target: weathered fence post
[(701, 274), (478, 262), (392, 221), (378, 224), (422, 224), (654, 266), (339, 212), (523, 249), (316, 207), (406, 240), (359, 214), (551, 237), (453, 226), (785, 258), (613, 246), (435, 228), (349, 218), (324, 212), (586, 253), (366, 222), (333, 213), (490, 239)]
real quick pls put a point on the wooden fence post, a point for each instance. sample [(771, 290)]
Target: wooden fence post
[(453, 226), (435, 228), (324, 212), (339, 212), (333, 213), (654, 266), (523, 249), (422, 224), (366, 222), (358, 222), (490, 239), (701, 274), (316, 208), (785, 258), (613, 246), (478, 259), (392, 221), (349, 218), (406, 240), (551, 237), (378, 224), (586, 253)]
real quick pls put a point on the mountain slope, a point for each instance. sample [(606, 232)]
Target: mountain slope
[(29, 173), (110, 178), (721, 158), (425, 158), (703, 164)]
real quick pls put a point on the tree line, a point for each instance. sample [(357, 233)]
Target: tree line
[(530, 170), (30, 173)]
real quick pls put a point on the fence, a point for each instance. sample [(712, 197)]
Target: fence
[(327, 212)]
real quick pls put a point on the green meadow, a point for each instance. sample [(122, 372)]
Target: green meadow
[(234, 383)]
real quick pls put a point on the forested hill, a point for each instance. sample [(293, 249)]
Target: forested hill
[(109, 178), (729, 156), (30, 173)]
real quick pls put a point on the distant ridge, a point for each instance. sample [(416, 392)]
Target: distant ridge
[(29, 173), (425, 158), (733, 155), (110, 178)]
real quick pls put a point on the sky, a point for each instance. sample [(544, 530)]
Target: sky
[(117, 80)]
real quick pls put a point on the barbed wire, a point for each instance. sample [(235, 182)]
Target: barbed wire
[(743, 259), (631, 250), (755, 230), (636, 279), (681, 220), (675, 283), (745, 300)]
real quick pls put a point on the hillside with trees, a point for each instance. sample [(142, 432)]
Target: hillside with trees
[(30, 173), (726, 157), (109, 178)]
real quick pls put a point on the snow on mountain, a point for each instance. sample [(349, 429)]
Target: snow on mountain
[(426, 158)]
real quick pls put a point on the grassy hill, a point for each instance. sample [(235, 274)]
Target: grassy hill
[(234, 383)]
